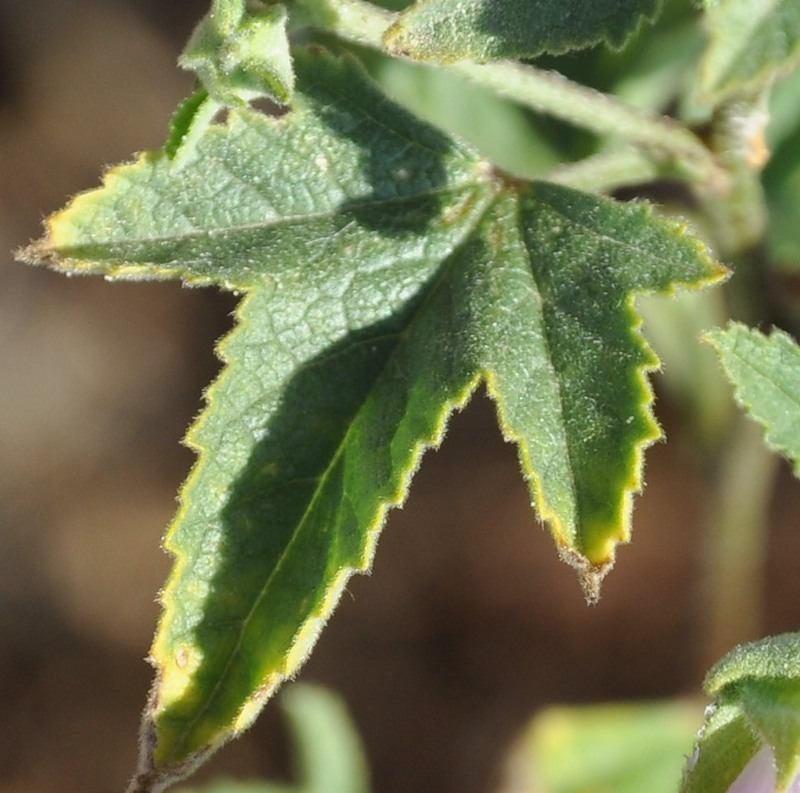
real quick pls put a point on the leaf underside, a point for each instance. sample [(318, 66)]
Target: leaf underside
[(386, 273), (765, 372), (483, 30)]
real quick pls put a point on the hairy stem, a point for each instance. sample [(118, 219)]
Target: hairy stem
[(609, 170), (555, 95), (738, 517), (545, 92)]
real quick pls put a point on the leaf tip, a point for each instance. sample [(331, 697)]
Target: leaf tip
[(150, 775), (590, 574), (44, 252), (37, 253)]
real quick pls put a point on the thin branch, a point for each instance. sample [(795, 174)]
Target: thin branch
[(609, 170)]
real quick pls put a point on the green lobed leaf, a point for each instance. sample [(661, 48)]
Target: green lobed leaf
[(765, 372), (387, 272), (483, 30), (620, 748), (756, 689), (749, 41)]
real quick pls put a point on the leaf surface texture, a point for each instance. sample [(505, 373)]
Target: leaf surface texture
[(483, 30), (386, 272), (765, 371)]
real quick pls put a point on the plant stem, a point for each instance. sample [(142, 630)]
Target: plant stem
[(545, 92), (552, 93), (735, 543), (352, 20), (737, 138), (736, 540), (609, 170)]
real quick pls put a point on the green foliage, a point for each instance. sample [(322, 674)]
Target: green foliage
[(765, 371), (239, 57), (482, 30), (377, 301), (387, 270), (604, 749), (750, 41), (756, 691), (725, 746), (242, 57)]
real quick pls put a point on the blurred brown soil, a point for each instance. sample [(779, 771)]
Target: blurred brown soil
[(468, 622)]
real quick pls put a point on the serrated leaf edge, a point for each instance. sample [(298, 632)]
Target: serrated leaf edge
[(712, 337), (392, 39), (306, 636), (167, 690)]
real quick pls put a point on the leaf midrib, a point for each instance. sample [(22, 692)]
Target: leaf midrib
[(559, 379), (277, 222)]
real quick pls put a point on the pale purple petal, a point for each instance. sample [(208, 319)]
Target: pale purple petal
[(758, 776)]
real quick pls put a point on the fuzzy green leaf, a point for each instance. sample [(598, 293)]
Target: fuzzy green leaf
[(756, 689), (750, 40), (483, 30), (765, 371), (725, 746), (387, 271)]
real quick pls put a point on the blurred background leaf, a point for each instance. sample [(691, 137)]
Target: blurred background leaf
[(327, 752), (621, 748)]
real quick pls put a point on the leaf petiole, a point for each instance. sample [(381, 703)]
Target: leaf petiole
[(609, 170)]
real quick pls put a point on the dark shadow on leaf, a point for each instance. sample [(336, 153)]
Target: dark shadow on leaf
[(406, 159), (293, 519), (280, 539)]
